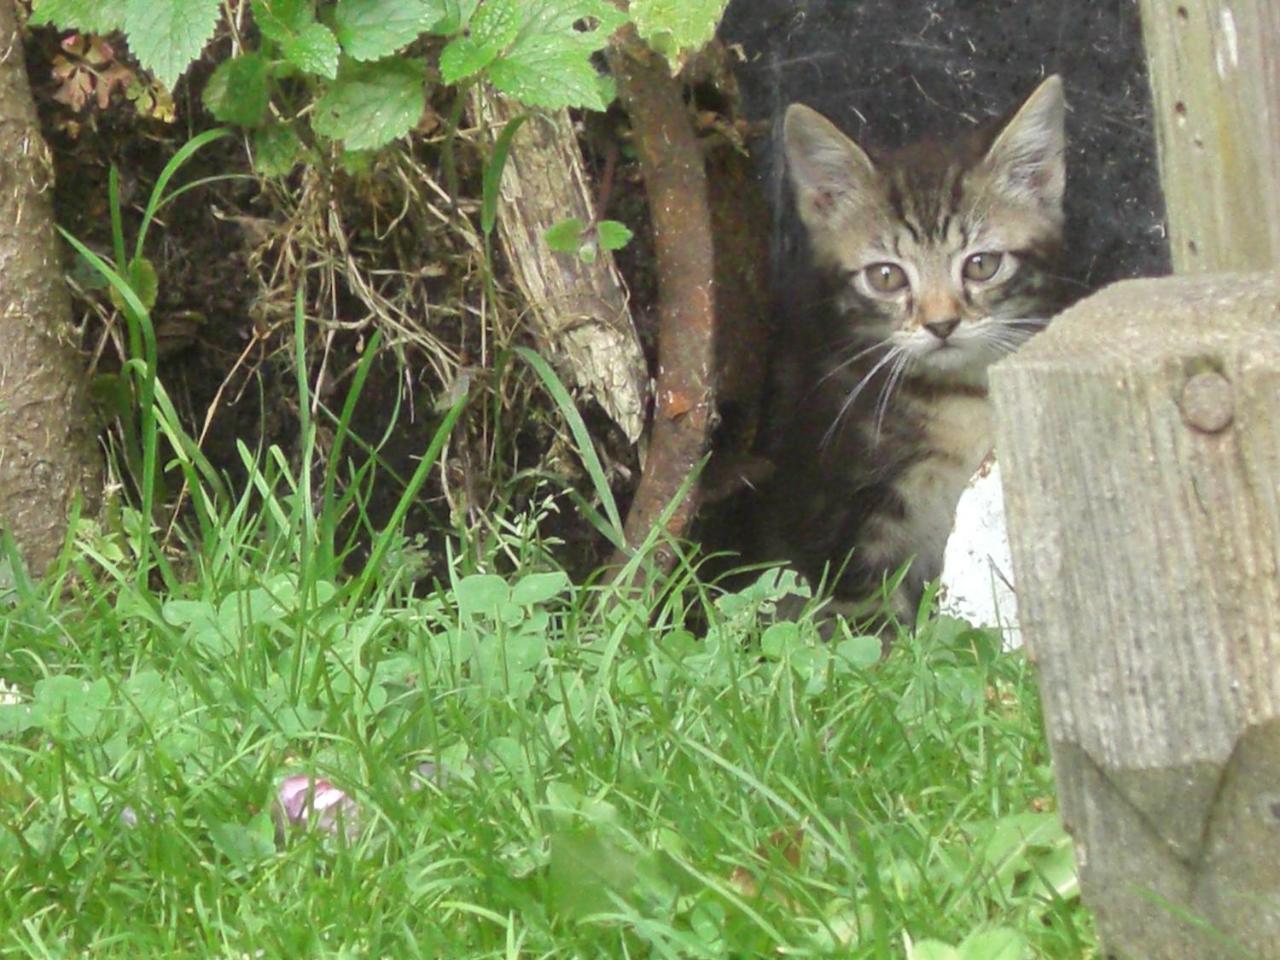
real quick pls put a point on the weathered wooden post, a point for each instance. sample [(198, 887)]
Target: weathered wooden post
[(1215, 81), (1140, 442)]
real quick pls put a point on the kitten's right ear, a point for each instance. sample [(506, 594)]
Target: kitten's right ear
[(827, 168)]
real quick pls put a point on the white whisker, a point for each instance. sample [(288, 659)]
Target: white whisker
[(895, 352)]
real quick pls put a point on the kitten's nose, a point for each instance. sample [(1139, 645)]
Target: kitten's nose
[(942, 328)]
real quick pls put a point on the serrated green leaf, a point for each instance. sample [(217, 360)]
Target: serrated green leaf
[(550, 70), (613, 235), (370, 104), (281, 20), (238, 92), (313, 50), (494, 26), (372, 29), (564, 237), (675, 27), (456, 15), (276, 150), (166, 35), (90, 16)]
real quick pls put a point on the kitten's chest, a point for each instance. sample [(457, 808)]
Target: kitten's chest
[(953, 438)]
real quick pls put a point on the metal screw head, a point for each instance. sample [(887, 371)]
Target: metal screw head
[(1206, 402)]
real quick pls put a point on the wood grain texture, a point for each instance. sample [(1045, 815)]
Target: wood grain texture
[(1139, 441), (579, 310), (1215, 78)]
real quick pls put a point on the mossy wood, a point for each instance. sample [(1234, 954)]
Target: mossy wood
[(48, 454), (1139, 439), (1215, 76), (579, 310)]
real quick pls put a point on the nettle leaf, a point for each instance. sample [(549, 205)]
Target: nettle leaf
[(281, 20), (565, 236), (89, 16), (372, 29), (238, 91), (613, 235), (370, 104), (493, 27), (456, 15), (166, 35), (538, 52), (550, 70), (314, 50), (676, 27), (276, 150)]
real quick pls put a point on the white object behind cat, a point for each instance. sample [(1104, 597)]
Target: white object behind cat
[(977, 569)]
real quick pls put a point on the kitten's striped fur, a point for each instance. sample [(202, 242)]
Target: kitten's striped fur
[(930, 263)]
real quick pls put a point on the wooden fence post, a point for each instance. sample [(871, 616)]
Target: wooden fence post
[(1139, 440), (1215, 80)]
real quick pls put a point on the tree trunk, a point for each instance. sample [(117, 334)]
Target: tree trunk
[(48, 455)]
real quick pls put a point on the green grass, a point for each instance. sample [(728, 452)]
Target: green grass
[(607, 781), (532, 768)]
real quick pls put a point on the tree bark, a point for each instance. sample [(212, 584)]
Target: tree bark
[(676, 184), (579, 309), (48, 455)]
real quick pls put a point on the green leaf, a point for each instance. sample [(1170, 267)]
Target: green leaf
[(372, 29), (238, 92), (494, 26), (613, 235), (863, 651), (166, 35), (313, 50), (454, 16), (552, 71), (89, 16), (493, 173), (536, 588), (481, 593), (144, 281), (281, 20), (548, 62), (933, 950), (999, 944), (676, 27), (276, 150), (370, 104), (67, 706), (565, 236)]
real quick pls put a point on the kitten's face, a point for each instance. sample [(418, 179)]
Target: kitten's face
[(943, 252)]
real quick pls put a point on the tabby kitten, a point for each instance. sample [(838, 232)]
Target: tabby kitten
[(929, 264)]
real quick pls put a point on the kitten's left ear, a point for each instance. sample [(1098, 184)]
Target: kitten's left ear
[(1027, 156)]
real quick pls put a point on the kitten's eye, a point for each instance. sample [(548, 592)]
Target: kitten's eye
[(886, 277), (982, 266)]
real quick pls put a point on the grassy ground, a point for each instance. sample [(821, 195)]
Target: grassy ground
[(214, 742), (524, 770)]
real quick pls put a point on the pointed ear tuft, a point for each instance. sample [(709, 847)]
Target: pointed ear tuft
[(1027, 155), (827, 169)]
